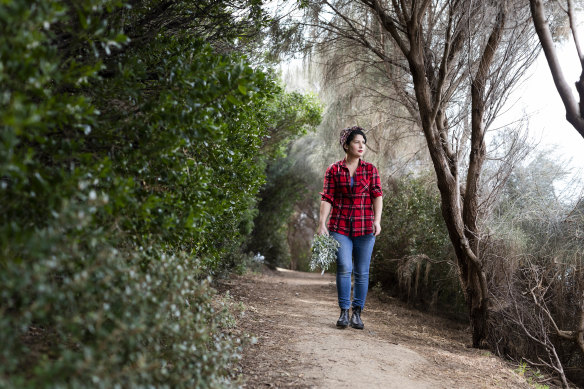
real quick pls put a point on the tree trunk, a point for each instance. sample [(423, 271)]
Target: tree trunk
[(574, 111), (461, 220), (472, 279), (580, 329)]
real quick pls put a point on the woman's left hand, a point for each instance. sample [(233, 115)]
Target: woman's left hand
[(376, 228)]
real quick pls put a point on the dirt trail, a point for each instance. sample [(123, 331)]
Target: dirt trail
[(293, 317)]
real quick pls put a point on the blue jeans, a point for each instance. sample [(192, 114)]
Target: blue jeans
[(353, 256)]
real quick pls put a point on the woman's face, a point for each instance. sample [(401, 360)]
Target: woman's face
[(356, 146)]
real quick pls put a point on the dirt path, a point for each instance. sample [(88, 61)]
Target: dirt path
[(293, 317)]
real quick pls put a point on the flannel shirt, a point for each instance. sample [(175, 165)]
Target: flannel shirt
[(352, 208)]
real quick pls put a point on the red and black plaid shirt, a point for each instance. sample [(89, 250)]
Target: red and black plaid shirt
[(352, 208)]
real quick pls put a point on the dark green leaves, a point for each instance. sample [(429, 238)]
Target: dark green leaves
[(132, 149)]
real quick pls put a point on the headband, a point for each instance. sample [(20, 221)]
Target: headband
[(346, 132)]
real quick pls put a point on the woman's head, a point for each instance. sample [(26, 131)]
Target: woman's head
[(349, 134)]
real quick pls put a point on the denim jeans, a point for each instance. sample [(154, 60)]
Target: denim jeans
[(353, 256)]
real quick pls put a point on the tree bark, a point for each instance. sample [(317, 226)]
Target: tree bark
[(478, 293), (574, 111), (580, 330), (460, 218)]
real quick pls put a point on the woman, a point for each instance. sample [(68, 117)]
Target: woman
[(352, 189)]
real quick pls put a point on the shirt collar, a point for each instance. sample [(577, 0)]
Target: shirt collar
[(344, 163)]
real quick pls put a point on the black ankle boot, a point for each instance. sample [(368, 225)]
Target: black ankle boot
[(343, 321), (356, 318)]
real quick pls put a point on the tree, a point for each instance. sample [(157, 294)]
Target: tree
[(574, 110), (452, 64), (292, 115)]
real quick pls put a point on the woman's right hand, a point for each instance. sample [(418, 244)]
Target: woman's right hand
[(322, 230)]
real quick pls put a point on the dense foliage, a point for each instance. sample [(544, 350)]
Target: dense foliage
[(293, 115), (537, 259), (412, 256), (133, 143), (284, 188)]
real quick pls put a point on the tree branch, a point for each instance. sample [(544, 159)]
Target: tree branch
[(574, 115), (573, 29)]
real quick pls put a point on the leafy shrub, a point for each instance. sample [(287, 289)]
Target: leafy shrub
[(536, 269), (412, 255), (88, 315), (130, 162), (285, 184)]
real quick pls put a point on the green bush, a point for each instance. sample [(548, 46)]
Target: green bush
[(131, 156), (285, 184), (535, 264), (89, 315), (412, 256)]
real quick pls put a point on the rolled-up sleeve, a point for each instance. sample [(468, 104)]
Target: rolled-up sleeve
[(375, 184), (328, 191)]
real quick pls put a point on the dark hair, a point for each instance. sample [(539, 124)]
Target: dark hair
[(355, 132)]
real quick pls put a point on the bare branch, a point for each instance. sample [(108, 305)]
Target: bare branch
[(574, 113), (571, 18)]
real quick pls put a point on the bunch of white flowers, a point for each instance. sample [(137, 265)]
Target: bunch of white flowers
[(324, 252)]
